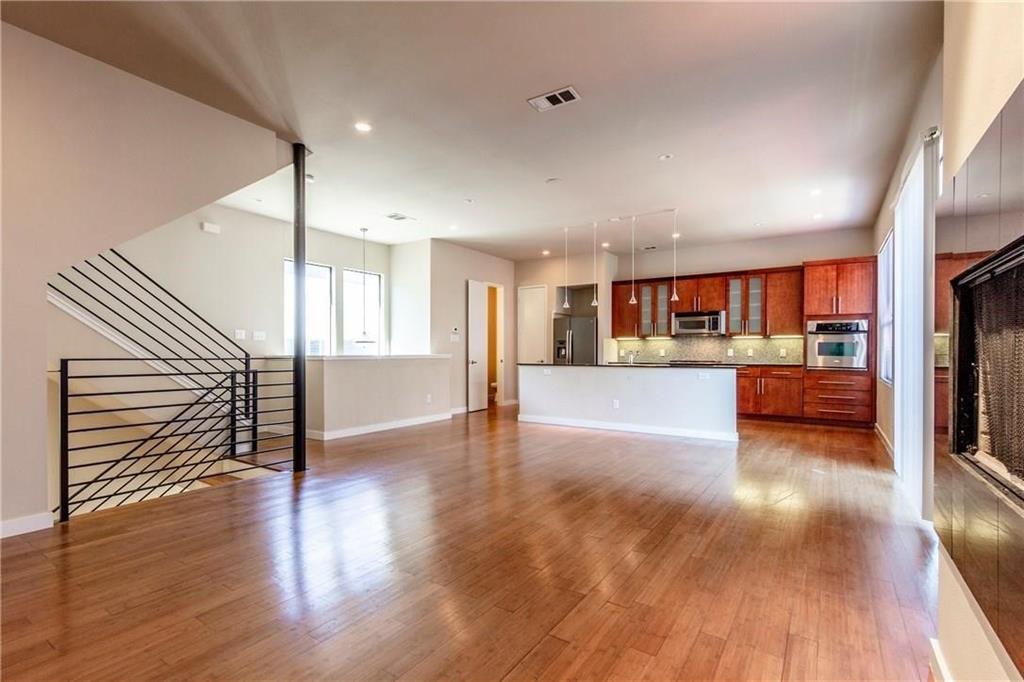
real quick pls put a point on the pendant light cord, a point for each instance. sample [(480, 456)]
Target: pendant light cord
[(594, 302), (675, 238), (632, 256), (565, 271)]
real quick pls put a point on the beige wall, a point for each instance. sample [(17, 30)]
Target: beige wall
[(983, 64), (132, 157), (753, 253), (235, 278), (450, 267), (928, 113), (410, 297)]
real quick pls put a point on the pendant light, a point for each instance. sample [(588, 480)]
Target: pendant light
[(565, 272), (632, 255), (675, 238), (594, 301), (364, 337)]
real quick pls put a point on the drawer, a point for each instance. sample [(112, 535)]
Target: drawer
[(851, 413), (777, 372), (837, 396), (848, 381), (748, 371)]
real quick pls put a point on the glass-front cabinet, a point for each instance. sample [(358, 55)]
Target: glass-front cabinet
[(746, 305), (655, 315)]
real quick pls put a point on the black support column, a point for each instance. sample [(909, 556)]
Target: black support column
[(299, 270)]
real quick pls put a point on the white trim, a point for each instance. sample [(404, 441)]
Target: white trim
[(26, 524), (940, 670), (727, 436), (373, 428), (503, 403), (458, 410), (885, 440)]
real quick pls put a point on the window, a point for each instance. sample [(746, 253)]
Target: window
[(885, 310), (361, 323), (319, 308)]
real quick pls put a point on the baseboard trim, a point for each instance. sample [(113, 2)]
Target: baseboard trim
[(459, 410), (373, 428), (940, 671), (506, 403), (26, 524), (727, 436), (885, 442)]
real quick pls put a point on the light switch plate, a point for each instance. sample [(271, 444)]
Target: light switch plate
[(547, 372), (240, 335), (622, 352), (615, 404), (259, 335), (661, 352), (730, 352), (750, 352), (782, 352)]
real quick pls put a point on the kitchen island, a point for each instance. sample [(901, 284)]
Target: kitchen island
[(691, 400)]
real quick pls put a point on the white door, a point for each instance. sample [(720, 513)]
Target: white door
[(532, 324), (476, 346)]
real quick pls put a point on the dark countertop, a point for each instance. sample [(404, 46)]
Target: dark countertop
[(663, 365)]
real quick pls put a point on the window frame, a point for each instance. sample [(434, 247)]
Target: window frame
[(332, 340), (887, 261), (380, 310)]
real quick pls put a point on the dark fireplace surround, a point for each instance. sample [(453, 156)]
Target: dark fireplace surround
[(979, 497)]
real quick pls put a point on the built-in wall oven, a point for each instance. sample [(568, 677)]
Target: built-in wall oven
[(837, 344)]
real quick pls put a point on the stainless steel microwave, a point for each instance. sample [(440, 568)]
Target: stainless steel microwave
[(706, 323), (837, 344)]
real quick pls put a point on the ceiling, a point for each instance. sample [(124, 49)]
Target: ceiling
[(780, 119)]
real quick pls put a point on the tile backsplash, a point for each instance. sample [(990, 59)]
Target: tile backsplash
[(716, 348)]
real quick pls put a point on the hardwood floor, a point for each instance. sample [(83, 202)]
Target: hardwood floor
[(483, 549)]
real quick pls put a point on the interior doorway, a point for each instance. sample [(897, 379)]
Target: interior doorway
[(485, 348)]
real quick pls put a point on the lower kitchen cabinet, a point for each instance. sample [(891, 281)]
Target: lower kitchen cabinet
[(771, 390), (839, 396)]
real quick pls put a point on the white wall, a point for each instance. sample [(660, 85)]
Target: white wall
[(927, 113), (92, 157), (450, 267), (235, 278), (410, 297), (750, 254)]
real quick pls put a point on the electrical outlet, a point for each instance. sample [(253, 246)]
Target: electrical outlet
[(547, 372), (730, 352), (703, 376), (259, 335), (622, 352), (430, 399), (750, 352), (615, 404), (782, 352), (240, 335), (661, 352)]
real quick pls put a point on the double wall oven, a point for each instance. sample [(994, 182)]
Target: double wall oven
[(837, 344)]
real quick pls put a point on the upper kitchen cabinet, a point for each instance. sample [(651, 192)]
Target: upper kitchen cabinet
[(784, 302), (655, 314), (745, 309), (699, 294), (843, 287), (625, 315), (948, 266)]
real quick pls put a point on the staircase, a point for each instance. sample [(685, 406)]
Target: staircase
[(177, 406)]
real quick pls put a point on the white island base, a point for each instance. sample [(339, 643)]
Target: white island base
[(694, 402)]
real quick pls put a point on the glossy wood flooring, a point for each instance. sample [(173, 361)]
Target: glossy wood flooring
[(483, 549)]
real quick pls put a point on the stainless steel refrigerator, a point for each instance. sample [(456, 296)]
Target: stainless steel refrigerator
[(575, 341)]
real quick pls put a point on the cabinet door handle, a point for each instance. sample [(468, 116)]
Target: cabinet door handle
[(836, 411), (838, 383), (699, 302), (785, 374), (839, 304), (839, 397)]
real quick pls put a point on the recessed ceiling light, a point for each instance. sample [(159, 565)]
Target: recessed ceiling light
[(816, 192), (545, 252), (615, 220), (257, 200), (675, 235), (984, 195), (453, 227), (665, 157), (552, 180), (605, 245), (818, 216), (469, 201), (758, 224), (310, 179), (363, 126)]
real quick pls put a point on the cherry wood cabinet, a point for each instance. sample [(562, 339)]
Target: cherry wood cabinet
[(784, 302), (836, 395), (845, 287), (745, 305), (625, 315), (698, 294), (948, 266), (772, 390), (655, 312)]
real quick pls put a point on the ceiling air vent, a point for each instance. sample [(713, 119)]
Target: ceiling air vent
[(555, 98), (398, 216), (649, 248)]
